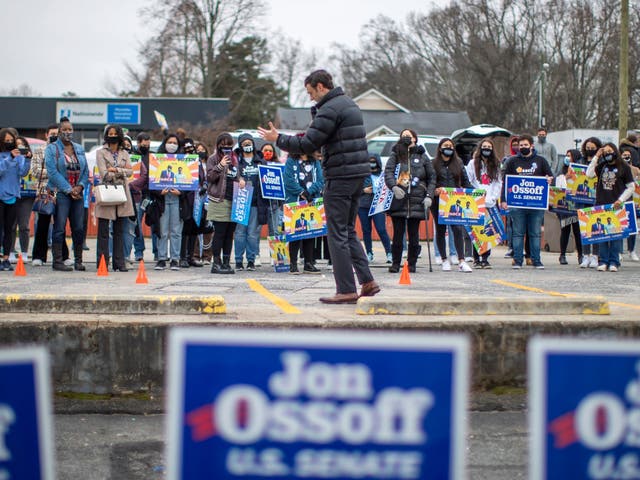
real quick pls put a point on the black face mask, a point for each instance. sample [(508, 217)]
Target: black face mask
[(52, 138), (143, 150), (447, 152), (525, 151), (112, 140), (406, 140), (591, 153), (8, 146), (486, 152), (202, 155)]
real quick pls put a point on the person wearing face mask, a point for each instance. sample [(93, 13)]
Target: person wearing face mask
[(204, 241), (189, 229), (222, 173), (127, 144), (170, 220), (484, 173), (247, 236), (41, 236), (548, 151), (450, 173), (568, 222), (627, 156), (139, 190), (23, 206), (630, 144), (513, 150), (588, 150), (379, 219), (411, 200), (275, 218), (114, 167), (615, 185), (69, 175), (13, 166)]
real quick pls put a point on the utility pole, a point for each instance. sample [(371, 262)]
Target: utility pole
[(623, 84), (542, 78)]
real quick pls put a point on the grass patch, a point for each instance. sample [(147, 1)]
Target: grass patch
[(506, 390)]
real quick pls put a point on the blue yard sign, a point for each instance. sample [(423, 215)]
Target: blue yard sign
[(241, 204), (311, 404), (527, 192), (272, 181), (26, 447), (584, 405)]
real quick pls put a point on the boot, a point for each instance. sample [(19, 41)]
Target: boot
[(226, 267), (216, 266), (58, 262), (77, 253)]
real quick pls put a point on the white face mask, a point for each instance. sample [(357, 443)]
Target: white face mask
[(171, 147)]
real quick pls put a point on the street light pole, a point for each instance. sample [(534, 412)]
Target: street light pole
[(623, 80), (542, 122)]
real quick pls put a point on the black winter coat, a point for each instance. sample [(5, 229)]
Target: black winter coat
[(423, 182), (337, 129)]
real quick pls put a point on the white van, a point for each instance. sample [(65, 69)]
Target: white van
[(383, 144)]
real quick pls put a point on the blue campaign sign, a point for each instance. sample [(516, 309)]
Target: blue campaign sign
[(241, 204), (312, 404), (527, 192), (123, 113), (584, 405), (26, 446), (272, 181)]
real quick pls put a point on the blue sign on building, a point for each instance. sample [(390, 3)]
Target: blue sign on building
[(527, 192), (25, 415), (584, 400), (123, 113), (314, 404), (272, 181)]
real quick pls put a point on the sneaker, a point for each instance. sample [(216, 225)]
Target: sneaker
[(446, 266), (563, 260), (68, 262), (370, 256), (161, 265), (184, 263), (310, 268), (585, 262), (174, 265), (538, 265), (464, 267), (7, 265), (485, 264), (12, 258), (36, 262), (389, 258), (293, 269), (633, 256), (509, 253), (601, 268), (516, 265), (477, 264), (438, 260), (593, 261), (468, 259), (394, 268), (239, 266), (613, 268), (454, 260), (251, 266), (257, 262)]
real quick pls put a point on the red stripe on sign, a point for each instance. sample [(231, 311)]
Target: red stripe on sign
[(242, 413), (564, 431), (202, 423)]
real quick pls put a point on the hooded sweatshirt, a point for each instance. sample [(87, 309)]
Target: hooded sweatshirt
[(248, 166), (370, 181)]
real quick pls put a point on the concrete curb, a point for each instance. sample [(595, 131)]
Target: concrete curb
[(483, 306), (116, 304)]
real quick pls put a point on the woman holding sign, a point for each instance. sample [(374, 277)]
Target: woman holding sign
[(410, 176), (615, 185), (450, 173)]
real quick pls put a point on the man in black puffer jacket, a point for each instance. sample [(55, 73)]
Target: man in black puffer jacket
[(338, 130)]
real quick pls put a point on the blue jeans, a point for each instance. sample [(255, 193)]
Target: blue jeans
[(452, 244), (610, 253), (131, 240), (525, 220), (247, 238), (72, 210), (170, 229), (379, 221)]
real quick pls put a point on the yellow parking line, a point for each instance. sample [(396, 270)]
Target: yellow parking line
[(281, 303), (556, 294)]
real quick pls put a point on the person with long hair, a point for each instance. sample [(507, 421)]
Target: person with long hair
[(114, 167), (412, 197), (588, 150), (450, 173), (24, 205), (615, 185), (568, 222), (379, 219), (485, 174), (222, 173)]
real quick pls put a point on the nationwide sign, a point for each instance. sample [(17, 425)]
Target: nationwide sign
[(313, 404), (584, 406), (99, 113)]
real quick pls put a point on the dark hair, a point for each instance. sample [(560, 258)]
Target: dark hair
[(596, 141), (319, 76), (542, 129), (455, 164), (493, 163), (225, 138), (119, 133), (191, 141), (403, 153), (162, 148), (619, 162), (63, 120), (526, 136), (51, 126), (3, 134), (200, 144), (143, 136), (632, 138), (25, 141), (268, 145)]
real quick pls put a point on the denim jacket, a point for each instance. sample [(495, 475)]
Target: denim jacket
[(57, 166)]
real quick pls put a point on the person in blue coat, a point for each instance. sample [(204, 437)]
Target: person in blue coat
[(303, 181), (69, 175), (13, 166)]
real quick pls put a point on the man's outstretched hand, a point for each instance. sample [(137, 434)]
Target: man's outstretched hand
[(270, 135)]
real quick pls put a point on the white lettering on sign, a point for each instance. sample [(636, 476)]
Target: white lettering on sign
[(7, 417), (527, 187), (270, 178)]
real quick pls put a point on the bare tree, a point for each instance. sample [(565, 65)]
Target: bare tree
[(22, 90)]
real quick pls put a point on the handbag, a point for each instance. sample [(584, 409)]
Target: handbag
[(45, 203), (108, 195)]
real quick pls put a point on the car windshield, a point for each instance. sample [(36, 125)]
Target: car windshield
[(381, 147)]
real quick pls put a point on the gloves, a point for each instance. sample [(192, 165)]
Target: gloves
[(202, 191), (398, 192), (427, 202)]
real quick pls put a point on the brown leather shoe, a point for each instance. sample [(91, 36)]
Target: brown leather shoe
[(341, 298), (369, 289)]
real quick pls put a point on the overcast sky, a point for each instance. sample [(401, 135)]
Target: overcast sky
[(80, 45)]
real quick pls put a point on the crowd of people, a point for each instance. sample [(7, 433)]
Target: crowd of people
[(181, 241)]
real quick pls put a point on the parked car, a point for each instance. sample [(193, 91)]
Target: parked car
[(383, 144), (466, 139)]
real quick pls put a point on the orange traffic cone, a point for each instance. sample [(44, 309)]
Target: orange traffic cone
[(102, 268), (20, 271), (142, 274), (405, 279)]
